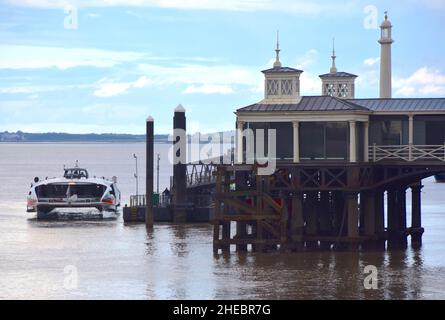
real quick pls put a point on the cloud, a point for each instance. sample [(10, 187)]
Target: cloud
[(308, 59), (93, 15), (423, 82), (289, 6), (200, 74), (371, 61), (35, 57), (106, 88), (208, 89)]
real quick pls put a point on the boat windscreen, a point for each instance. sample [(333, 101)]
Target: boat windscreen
[(64, 190), (87, 190), (52, 191)]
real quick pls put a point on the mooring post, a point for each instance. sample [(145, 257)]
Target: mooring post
[(149, 172), (416, 212), (179, 165)]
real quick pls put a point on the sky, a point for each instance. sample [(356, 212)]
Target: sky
[(84, 66)]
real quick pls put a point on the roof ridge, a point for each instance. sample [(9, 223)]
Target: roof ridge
[(351, 104)]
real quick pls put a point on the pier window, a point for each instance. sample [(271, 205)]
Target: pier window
[(388, 130), (324, 140), (284, 136)]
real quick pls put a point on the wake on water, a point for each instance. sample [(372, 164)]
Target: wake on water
[(79, 214)]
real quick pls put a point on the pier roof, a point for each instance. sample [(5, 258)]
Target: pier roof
[(338, 75), (402, 104), (328, 103), (307, 103), (281, 70)]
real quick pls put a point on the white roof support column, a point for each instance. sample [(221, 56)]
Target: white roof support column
[(239, 141), (296, 126), (366, 141), (352, 142), (410, 136)]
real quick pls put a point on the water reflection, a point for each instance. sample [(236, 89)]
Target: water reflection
[(319, 275)]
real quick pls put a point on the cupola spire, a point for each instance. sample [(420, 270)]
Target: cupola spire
[(333, 67), (277, 63)]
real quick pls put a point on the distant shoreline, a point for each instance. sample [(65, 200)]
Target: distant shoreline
[(60, 137), (77, 142)]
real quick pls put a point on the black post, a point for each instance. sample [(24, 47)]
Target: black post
[(179, 165), (149, 172)]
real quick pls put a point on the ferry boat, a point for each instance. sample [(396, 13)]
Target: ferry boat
[(76, 189)]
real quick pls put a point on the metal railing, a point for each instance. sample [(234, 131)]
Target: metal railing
[(198, 174), (409, 152), (140, 200)]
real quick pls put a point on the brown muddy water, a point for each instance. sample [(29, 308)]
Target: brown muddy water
[(104, 259)]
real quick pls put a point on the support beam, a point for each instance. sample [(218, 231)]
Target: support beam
[(416, 212), (239, 141), (296, 126), (352, 142)]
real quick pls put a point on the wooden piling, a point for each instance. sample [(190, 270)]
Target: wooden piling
[(149, 172), (368, 213), (297, 222), (311, 209), (416, 229), (353, 218), (179, 166)]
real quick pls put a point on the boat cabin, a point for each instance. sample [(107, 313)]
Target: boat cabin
[(75, 173)]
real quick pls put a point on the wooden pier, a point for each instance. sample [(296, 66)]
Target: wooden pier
[(319, 206)]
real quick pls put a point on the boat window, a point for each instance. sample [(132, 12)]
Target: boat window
[(87, 190)]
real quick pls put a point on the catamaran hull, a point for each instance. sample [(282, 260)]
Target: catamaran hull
[(46, 211)]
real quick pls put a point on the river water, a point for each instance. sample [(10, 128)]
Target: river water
[(105, 259)]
